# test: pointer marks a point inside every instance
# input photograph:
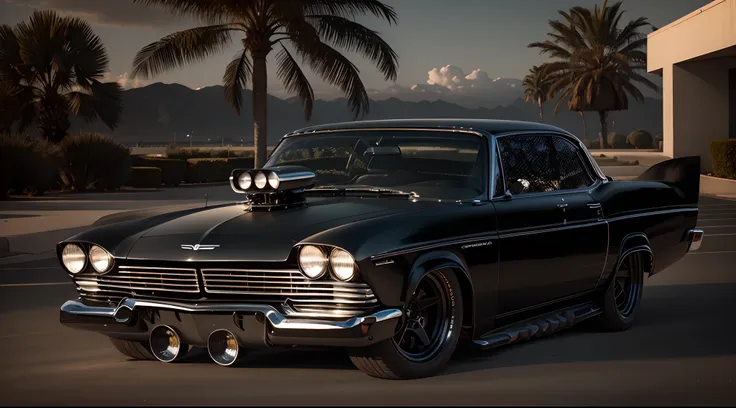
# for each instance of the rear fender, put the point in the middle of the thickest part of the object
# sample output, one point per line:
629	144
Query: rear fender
626	252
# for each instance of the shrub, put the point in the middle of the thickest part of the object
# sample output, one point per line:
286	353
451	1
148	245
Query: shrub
145	177
27	166
641	139
214	170
173	171
616	140
92	160
723	155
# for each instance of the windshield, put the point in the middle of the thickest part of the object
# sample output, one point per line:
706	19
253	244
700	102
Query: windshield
431	164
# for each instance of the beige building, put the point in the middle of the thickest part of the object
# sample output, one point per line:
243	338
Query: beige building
696	57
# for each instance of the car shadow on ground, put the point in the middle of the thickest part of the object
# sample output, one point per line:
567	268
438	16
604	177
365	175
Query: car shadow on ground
674	321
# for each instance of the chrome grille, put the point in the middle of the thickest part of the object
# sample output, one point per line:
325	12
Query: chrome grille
306	295
128	279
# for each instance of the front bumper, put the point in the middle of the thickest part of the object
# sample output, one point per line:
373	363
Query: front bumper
254	325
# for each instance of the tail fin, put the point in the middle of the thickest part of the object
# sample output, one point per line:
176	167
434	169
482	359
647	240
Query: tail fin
682	173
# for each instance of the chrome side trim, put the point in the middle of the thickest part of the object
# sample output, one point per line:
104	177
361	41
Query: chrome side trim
123	312
653	212
434	245
695	236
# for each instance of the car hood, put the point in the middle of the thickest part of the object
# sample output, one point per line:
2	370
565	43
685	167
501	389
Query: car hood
234	233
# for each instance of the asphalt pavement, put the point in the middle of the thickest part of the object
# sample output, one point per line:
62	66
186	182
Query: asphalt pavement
681	351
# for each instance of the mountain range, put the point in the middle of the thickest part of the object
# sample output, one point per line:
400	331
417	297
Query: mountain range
163	113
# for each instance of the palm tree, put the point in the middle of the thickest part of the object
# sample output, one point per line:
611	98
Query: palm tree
314	29
52	66
595	62
536	87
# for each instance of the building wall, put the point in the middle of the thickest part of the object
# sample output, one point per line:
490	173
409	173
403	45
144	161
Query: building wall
706	30
698	108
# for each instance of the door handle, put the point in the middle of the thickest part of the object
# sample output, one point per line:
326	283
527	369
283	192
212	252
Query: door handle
562	205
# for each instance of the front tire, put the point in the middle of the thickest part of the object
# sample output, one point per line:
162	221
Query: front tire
133	349
426	337
622	299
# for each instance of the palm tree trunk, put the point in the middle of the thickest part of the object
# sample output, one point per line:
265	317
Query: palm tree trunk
260	109
585	128
53	122
541	110
603	115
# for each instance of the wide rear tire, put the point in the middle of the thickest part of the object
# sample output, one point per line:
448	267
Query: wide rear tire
426	337
133	349
621	301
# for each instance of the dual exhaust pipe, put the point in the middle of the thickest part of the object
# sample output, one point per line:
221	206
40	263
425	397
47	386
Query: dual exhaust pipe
167	346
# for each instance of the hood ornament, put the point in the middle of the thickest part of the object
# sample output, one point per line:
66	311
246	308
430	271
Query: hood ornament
198	247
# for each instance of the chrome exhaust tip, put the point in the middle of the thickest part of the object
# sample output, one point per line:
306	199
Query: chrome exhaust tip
166	345
222	345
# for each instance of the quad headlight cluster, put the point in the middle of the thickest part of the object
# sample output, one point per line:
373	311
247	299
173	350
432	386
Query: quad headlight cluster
314	263
75	259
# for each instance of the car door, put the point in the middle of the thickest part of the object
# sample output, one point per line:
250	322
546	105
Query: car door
551	240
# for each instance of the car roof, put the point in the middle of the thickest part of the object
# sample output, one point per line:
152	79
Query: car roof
493	126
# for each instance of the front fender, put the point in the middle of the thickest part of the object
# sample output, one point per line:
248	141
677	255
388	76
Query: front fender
429	262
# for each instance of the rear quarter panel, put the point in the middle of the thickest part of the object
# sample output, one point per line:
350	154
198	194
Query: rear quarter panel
655	209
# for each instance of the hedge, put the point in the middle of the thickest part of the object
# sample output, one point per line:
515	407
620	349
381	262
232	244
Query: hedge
92	160
173	171
641	139
723	156
27	166
214	170
145	177
616	140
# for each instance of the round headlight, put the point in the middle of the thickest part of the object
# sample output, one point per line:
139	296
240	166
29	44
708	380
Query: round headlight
260	180
73	258
100	259
312	261
244	181
343	264
273	180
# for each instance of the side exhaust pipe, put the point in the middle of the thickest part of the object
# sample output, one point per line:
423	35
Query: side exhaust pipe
222	345
166	345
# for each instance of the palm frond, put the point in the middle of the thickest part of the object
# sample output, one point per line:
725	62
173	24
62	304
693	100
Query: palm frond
180	48
294	80
352	36
337	70
237	74
349	8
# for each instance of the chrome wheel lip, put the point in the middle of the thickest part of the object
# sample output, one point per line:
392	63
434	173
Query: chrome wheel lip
440	334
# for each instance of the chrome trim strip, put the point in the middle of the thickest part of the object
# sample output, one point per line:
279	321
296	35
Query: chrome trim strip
550	228
654	212
305	132
276	319
438	244
695	236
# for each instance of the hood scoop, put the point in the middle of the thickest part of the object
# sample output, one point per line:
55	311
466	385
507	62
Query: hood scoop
273	188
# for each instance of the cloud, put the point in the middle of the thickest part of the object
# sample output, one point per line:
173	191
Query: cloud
453	78
125	80
116	13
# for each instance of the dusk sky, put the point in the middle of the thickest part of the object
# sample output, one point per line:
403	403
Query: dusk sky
487	35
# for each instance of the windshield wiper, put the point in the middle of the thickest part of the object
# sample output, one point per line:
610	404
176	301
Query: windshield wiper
334	191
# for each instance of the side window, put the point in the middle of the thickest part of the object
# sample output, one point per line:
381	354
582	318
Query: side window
529	163
572	169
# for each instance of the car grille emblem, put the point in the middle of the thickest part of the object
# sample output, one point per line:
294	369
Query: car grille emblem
198	247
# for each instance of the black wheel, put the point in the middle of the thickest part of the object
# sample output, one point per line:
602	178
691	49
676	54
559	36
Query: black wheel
623	297
426	336
133	349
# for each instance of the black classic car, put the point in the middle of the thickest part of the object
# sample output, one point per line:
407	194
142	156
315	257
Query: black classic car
397	240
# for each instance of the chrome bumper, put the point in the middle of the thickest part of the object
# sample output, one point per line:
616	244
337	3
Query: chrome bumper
255	325
695	237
